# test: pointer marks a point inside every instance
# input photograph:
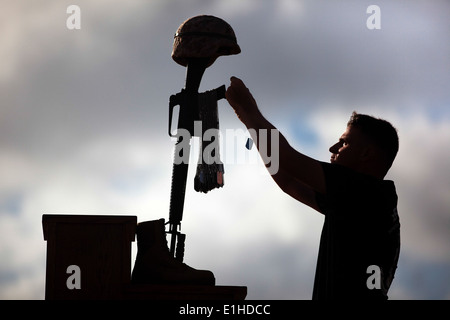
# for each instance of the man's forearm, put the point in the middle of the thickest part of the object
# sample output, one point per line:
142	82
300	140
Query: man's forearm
301	167
294	163
269	141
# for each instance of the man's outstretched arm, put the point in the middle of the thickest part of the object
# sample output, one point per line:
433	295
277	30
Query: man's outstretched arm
294	167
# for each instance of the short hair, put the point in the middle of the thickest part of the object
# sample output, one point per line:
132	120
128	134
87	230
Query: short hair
379	132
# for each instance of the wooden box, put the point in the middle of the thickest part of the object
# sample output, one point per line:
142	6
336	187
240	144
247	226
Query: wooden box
88	256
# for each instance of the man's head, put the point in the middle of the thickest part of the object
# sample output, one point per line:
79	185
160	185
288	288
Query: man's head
369	145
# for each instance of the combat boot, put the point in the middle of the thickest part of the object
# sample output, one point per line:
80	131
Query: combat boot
155	265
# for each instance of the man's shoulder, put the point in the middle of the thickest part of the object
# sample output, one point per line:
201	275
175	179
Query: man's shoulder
341	173
346	188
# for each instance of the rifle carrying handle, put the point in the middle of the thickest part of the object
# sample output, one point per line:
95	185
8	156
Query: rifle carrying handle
172	104
174	101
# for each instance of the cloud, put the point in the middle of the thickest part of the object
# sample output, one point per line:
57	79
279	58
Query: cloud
423	185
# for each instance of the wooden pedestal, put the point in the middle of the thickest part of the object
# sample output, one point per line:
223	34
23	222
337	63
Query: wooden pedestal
89	258
100	246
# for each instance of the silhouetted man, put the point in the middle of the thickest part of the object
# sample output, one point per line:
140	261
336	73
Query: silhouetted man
360	241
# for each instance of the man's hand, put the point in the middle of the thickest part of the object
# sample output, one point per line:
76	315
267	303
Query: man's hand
241	100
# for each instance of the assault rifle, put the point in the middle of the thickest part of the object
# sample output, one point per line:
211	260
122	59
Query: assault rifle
200	108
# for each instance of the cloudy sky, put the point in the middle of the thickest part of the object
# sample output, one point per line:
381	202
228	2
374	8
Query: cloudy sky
83	129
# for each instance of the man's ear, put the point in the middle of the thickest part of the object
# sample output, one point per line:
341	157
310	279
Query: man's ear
368	152
372	153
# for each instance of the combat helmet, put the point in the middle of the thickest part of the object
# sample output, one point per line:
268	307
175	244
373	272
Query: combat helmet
204	36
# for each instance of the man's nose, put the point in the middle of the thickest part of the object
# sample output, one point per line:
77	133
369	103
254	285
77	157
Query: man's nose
334	148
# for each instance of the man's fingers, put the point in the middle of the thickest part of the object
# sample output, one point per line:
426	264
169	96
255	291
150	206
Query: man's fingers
234	84
236	81
237	87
